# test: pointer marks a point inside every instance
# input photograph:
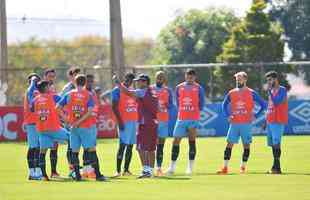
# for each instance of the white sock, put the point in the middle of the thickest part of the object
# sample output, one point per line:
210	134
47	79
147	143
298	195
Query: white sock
38	171
151	170
32	171
173	165
145	168
191	164
243	164
226	163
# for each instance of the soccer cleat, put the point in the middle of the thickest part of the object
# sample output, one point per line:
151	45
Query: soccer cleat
101	178
117	175
188	171
242	170
223	171
45	178
127	173
91	175
275	171
145	175
84	175
169	171
159	173
34	178
55	175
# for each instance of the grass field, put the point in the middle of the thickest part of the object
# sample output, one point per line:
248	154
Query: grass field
204	184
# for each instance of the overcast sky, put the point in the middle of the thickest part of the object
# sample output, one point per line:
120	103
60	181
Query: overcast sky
145	17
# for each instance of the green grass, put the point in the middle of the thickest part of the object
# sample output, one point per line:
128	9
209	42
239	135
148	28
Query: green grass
204	184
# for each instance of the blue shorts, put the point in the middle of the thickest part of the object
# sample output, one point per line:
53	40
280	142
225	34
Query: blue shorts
274	133
236	131
182	126
48	138
129	134
163	129
85	137
32	136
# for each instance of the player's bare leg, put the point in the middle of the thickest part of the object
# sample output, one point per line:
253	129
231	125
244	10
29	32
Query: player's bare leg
192	150
245	157
159	156
174	155
227	156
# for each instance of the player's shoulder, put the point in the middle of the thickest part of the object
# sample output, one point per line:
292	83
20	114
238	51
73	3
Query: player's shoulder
282	88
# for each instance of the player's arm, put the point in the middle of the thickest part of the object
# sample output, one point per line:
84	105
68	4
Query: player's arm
280	97
177	97
170	100
32	87
115	104
124	89
202	101
59	107
225	104
258	99
90	106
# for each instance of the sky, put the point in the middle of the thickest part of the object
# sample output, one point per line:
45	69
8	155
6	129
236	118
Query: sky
141	17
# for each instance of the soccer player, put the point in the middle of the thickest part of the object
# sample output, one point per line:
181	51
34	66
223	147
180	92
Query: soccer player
165	102
32	135
80	106
190	99
125	109
71	73
277	117
50	76
47	122
238	107
147	120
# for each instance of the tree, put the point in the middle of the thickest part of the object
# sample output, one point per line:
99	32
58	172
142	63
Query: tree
196	36
255	40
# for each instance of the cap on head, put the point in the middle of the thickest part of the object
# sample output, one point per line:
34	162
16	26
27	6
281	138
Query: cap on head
98	89
242	74
271	74
143	77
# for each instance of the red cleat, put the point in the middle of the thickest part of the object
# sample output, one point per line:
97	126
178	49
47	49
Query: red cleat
223	171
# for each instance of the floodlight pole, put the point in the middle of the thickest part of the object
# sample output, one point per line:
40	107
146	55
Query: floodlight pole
116	33
3	42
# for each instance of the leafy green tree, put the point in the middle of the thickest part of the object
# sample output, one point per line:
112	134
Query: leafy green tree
255	40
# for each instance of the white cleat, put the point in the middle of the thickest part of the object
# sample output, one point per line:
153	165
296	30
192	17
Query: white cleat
170	171
189	172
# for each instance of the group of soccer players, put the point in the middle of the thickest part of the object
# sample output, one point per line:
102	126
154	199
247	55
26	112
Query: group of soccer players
142	114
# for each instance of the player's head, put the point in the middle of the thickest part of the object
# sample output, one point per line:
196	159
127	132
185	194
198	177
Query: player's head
272	79
80	80
43	86
98	91
241	79
33	76
143	81
50	75
90	81
190	76
72	72
129	77
160	77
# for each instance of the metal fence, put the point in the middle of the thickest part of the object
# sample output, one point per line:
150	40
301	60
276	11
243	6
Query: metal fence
216	78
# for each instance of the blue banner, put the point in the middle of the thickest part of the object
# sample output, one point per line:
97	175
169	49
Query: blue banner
214	123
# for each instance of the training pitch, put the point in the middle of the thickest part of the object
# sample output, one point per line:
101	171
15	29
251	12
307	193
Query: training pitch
294	183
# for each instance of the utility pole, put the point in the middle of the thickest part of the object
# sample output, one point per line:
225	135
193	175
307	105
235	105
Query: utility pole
116	34
3	43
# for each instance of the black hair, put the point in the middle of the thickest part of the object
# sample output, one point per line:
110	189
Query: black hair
49	71
190	72
73	70
80	80
90	76
130	76
42	85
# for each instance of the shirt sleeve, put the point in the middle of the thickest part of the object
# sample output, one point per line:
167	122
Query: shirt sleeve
139	92
57	98
201	98
115	94
260	101
31	104
170	100
91	102
64	100
177	97
280	97
31	90
225	104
